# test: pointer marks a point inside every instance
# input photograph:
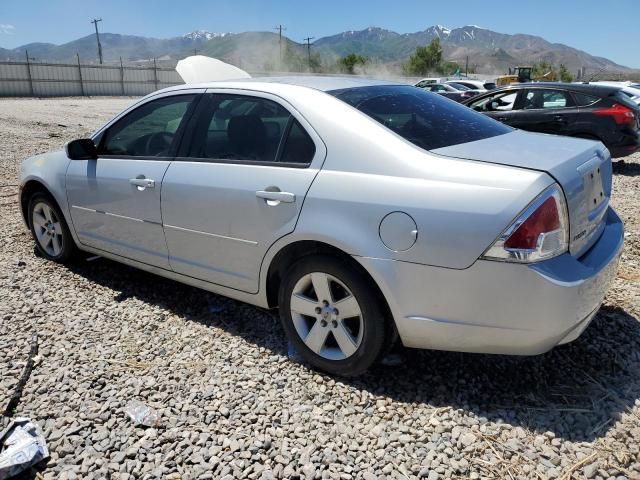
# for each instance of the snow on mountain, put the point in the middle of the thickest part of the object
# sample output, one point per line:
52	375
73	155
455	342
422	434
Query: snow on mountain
203	35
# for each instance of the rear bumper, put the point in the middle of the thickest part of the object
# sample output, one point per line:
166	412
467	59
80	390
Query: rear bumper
617	152
628	143
500	307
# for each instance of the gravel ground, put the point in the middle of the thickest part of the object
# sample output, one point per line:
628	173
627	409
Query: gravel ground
233	405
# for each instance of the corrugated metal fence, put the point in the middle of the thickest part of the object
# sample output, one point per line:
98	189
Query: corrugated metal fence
29	79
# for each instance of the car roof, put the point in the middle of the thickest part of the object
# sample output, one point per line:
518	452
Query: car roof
317	82
603	90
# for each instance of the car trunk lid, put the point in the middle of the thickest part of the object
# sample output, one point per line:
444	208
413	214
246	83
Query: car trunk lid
581	167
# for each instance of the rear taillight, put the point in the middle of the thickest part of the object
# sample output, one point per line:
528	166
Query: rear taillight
539	233
621	115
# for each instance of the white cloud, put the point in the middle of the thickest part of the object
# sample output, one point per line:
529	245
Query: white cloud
6	28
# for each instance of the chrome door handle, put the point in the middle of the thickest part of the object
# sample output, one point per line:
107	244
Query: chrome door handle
142	183
276	197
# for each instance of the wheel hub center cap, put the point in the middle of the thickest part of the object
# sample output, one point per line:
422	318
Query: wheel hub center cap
327	312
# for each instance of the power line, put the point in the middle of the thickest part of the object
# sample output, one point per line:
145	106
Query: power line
308	40
95	24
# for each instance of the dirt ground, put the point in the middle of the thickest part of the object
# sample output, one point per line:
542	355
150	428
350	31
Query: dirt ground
233	405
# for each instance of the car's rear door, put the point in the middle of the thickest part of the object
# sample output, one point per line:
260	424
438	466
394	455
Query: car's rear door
548	110
115	199
245	165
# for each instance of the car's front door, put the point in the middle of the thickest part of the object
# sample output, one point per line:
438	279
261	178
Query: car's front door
500	106
115	200
547	110
246	163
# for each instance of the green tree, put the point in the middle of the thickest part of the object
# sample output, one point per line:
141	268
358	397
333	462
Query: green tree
542	69
426	59
564	73
348	63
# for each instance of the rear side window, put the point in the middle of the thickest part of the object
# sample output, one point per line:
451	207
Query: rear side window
298	146
427	120
584	100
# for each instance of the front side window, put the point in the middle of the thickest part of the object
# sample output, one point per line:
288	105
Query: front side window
544	99
147	131
426	120
499	102
245	128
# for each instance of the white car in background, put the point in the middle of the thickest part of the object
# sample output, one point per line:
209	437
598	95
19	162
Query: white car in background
631	90
477	85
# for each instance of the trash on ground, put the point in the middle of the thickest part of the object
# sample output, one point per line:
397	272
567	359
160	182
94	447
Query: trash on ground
142	414
21	447
217	306
392	360
293	354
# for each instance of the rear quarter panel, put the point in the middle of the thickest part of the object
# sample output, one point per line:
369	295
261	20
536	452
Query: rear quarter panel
460	206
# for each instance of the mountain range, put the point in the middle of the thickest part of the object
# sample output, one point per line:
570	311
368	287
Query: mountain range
487	51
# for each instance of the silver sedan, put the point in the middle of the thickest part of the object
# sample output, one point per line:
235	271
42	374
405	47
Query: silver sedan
367	212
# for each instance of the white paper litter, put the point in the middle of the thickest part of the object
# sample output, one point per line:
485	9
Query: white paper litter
199	69
21	446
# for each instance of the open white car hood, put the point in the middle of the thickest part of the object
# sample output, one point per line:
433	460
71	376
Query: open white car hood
200	69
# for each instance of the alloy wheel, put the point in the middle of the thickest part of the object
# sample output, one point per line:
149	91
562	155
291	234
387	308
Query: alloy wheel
326	316
48	229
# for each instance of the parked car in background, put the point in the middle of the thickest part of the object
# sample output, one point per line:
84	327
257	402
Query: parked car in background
428	81
596	112
449	91
477	85
365	211
628	88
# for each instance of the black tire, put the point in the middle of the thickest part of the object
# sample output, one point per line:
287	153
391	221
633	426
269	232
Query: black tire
68	247
373	315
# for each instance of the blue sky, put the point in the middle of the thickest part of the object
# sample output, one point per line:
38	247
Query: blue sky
606	28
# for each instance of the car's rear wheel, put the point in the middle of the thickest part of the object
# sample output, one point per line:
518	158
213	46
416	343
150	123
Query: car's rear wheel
49	229
332	315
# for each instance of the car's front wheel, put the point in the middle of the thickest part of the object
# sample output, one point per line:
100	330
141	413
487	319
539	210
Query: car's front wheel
49	229
332	315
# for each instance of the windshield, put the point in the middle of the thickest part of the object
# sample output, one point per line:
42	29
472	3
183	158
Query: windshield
427	120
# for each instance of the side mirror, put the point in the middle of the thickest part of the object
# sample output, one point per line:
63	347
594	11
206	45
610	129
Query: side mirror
82	149
495	105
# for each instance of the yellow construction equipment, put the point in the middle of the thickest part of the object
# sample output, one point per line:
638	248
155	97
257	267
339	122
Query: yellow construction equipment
523	75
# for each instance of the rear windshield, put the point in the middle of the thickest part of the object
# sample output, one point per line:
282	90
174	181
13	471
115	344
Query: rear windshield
426	119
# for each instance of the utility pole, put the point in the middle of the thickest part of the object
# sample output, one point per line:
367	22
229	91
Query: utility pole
95	24
26	52
280	28
466	68
195	51
308	40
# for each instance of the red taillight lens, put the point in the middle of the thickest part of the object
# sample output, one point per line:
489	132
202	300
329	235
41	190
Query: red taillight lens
540	232
544	220
621	115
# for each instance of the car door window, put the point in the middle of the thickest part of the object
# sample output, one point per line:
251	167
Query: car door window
499	102
584	100
147	131
546	99
298	147
248	129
